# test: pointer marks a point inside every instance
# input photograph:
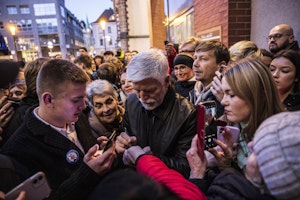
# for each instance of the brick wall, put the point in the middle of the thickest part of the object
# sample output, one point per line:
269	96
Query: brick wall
234	17
157	29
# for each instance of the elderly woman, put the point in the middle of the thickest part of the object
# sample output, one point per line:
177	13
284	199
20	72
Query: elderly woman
105	115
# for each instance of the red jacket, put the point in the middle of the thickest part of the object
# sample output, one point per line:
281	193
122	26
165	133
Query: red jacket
156	169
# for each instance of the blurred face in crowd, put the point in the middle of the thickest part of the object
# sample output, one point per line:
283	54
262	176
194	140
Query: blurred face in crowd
16	92
151	92
284	74
205	65
105	108
128	56
235	108
188	48
83	52
98	61
183	72
279	38
169	49
126	85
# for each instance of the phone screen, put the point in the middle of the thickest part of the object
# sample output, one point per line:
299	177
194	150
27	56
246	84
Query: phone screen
200	129
110	140
210	124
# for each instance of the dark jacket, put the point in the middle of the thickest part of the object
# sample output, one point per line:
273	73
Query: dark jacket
292	102
231	185
294	46
18	117
184	87
41	148
168	129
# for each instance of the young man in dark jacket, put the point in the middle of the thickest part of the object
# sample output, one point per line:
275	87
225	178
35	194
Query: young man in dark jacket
56	138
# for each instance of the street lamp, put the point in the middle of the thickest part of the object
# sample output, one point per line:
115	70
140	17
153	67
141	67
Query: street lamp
102	23
12	29
50	47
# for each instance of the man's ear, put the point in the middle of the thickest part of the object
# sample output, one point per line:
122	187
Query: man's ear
291	39
167	80
220	64
47	99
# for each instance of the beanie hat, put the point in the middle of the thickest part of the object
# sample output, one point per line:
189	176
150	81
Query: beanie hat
184	59
277	147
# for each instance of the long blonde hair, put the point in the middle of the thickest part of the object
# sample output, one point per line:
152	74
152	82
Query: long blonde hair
252	81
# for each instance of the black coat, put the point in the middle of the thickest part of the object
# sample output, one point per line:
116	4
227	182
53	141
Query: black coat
18	117
168	129
232	185
41	148
184	87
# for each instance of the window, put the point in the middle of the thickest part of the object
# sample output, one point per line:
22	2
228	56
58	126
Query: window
24	25
26	43
44	9
101	42
46	26
62	11
110	41
1	25
109	29
24	9
12	10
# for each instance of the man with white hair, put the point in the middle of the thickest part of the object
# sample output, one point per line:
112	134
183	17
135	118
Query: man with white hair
156	118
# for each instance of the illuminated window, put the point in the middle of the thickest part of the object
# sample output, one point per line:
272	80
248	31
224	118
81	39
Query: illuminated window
44	9
24	9
12	10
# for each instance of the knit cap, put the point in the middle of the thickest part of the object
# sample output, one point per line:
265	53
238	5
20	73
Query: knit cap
277	148
184	59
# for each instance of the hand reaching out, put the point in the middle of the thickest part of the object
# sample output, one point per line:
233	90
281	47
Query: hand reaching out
198	166
132	153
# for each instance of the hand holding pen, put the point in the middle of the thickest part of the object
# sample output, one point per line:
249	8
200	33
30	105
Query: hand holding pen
124	141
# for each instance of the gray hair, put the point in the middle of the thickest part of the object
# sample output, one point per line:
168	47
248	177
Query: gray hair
100	87
152	63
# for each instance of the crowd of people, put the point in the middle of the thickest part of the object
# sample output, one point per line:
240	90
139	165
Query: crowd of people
104	128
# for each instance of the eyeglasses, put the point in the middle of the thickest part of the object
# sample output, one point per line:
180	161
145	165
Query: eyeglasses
276	36
181	68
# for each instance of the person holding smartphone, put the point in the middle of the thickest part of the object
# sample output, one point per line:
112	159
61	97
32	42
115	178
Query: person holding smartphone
243	106
8	73
55	137
271	169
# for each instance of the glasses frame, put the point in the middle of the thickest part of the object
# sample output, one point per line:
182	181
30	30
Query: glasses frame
182	68
276	36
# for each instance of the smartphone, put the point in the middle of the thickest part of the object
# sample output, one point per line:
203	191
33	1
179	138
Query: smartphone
200	129
234	130
210	124
110	140
36	188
